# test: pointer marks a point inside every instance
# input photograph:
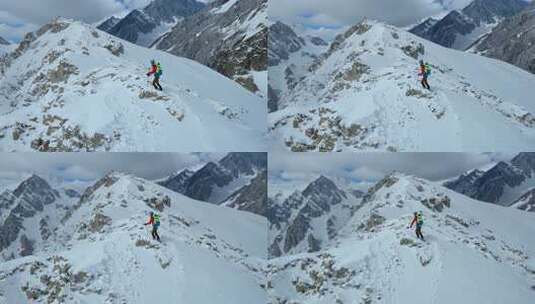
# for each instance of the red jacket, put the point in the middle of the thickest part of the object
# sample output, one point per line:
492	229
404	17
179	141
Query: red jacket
414	220
151	221
153	70
422	70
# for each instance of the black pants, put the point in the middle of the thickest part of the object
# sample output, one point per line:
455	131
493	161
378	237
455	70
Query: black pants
419	232
154	233
425	84
156	84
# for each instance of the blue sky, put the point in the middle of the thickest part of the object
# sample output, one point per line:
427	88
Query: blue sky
22	16
290	171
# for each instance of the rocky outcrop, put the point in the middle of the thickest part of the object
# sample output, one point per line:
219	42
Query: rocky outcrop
179	181
231	40
513	41
283	41
109	23
26	201
252	197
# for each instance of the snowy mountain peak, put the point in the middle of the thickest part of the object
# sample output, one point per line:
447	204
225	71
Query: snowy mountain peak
377	65
322	185
375	256
102	250
67	99
3	41
34	182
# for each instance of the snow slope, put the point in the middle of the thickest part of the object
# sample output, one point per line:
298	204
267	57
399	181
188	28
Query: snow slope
103	253
473	253
364	94
84	90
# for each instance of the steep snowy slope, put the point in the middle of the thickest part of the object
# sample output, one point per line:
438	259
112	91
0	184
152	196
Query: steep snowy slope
103	253
473	253
84	90
364	94
229	36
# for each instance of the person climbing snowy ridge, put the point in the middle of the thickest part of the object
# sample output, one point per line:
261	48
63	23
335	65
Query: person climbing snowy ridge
156	70
154	220
425	71
419	221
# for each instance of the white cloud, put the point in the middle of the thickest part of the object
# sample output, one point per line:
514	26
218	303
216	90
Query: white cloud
348	12
76	167
291	171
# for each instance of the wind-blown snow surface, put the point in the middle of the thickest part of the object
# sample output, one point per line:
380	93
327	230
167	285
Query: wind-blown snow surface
82	89
473	253
101	253
364	94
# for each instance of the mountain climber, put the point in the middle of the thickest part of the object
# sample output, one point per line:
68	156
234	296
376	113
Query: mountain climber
418	219
425	71
154	220
156	70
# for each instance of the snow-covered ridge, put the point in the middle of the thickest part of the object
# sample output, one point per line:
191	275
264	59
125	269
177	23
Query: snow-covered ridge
101	252
364	94
70	87
469	246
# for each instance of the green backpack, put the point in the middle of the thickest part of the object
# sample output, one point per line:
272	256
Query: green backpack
427	69
420	218
156	218
159	71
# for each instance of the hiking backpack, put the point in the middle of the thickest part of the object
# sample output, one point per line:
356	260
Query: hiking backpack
419	218
156	219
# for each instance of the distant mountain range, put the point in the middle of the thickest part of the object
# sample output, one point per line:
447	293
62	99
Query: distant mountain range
506	184
144	26
239	180
460	29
